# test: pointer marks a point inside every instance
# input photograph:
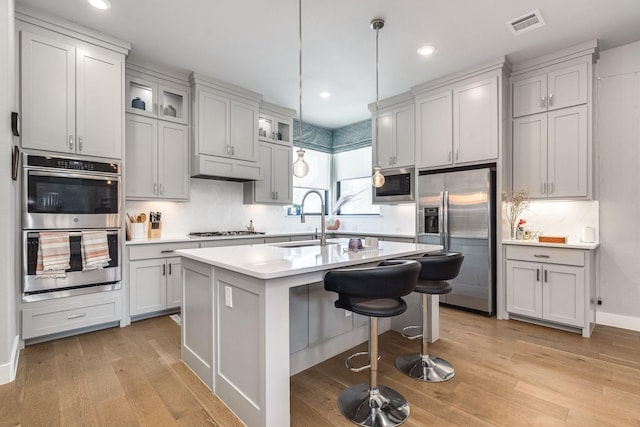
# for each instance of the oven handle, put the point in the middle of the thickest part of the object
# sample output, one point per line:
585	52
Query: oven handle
74	174
71	233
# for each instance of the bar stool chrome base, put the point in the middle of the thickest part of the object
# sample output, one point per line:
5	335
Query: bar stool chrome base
379	407
425	367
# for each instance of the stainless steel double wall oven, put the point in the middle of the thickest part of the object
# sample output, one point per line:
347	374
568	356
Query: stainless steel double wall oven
62	194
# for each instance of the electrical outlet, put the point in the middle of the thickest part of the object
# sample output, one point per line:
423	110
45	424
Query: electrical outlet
228	296
347	313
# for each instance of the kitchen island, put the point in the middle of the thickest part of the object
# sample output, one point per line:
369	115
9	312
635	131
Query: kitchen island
237	317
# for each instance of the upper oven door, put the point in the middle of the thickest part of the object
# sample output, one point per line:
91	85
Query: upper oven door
56	199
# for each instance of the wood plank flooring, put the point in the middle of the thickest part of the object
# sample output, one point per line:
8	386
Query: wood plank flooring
508	373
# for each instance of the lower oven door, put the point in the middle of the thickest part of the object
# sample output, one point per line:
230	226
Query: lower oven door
75	277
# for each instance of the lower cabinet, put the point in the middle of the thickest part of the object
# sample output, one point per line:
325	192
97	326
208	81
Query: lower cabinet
155	277
551	285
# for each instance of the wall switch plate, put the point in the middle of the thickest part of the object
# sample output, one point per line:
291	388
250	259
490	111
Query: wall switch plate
228	296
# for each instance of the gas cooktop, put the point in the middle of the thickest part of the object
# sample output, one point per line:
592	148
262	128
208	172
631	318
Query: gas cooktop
224	233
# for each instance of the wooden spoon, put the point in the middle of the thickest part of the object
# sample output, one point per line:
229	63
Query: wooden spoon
142	217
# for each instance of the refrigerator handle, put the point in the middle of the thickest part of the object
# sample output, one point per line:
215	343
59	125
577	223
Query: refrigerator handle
441	218
445	224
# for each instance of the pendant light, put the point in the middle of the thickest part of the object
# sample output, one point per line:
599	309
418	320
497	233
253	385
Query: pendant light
300	168
377	179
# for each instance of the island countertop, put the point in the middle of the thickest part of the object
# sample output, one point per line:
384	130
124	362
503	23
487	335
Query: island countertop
273	260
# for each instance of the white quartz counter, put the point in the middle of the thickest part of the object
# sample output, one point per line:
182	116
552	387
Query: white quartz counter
569	245
268	261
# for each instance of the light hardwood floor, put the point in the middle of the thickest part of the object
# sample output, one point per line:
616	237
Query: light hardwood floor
508	373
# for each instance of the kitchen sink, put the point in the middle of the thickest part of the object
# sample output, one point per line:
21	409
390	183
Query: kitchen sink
301	244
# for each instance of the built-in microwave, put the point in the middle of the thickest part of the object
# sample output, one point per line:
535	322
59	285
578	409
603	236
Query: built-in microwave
398	187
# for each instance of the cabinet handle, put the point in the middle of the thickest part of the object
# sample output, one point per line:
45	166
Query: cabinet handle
80	143
161	111
545	276
457	154
537	274
543	188
167	251
276	195
75	316
541	256
164	269
550	187
161	187
550	99
155	108
70	142
449	155
228	149
233	150
155	189
543	101
169	269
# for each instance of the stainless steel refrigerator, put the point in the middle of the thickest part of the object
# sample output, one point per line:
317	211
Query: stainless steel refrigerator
456	209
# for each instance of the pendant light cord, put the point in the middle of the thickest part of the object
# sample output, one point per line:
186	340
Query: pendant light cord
300	73
377	100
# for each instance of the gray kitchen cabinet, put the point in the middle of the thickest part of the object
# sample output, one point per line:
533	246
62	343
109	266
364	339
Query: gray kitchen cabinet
157	159
163	96
225	136
395	143
71	94
552	285
155	277
275	124
550	153
458	119
275	187
561	87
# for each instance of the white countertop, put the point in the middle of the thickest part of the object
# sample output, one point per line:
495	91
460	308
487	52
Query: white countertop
569	245
268	261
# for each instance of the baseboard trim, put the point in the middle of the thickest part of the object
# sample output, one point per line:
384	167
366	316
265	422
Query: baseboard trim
618	321
8	370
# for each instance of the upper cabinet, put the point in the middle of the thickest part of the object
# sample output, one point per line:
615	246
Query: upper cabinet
225	130
157	135
71	92
458	119
394	143
547	91
552	124
275	124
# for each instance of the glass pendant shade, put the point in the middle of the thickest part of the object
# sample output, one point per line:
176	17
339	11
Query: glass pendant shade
300	168
377	178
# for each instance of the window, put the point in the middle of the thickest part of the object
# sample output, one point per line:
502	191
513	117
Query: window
318	178
353	176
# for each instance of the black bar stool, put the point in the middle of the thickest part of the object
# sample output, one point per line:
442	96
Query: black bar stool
436	270
373	292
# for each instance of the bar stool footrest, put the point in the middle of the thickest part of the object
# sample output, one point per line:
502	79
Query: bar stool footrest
359	368
425	367
411	328
381	406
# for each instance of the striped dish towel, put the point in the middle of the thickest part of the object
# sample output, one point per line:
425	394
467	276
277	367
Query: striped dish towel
53	254
95	250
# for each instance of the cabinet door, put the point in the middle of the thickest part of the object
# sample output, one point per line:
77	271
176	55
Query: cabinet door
563	291
475	121
244	131
47	89
213	125
173	104
567	142
434	130
529	95
147	286
325	320
145	91
142	157
404	136
567	87
264	192
174	282
282	176
384	150
530	155
173	160
98	104
524	288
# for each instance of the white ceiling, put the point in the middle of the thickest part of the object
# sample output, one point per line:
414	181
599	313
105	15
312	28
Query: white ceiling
254	43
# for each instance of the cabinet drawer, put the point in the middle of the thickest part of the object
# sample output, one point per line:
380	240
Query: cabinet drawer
546	255
52	317
158	250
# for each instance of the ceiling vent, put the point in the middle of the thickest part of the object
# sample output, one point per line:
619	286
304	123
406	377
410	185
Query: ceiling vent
527	22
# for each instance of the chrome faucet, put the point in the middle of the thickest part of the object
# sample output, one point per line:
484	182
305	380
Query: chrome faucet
323	234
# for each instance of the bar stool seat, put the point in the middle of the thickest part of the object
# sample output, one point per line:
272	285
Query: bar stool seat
436	270
374	292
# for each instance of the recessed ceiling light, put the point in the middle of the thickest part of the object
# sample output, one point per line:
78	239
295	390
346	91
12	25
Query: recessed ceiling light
426	50
325	95
100	4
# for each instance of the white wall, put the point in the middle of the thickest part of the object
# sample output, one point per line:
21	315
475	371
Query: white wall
618	118
217	205
8	328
